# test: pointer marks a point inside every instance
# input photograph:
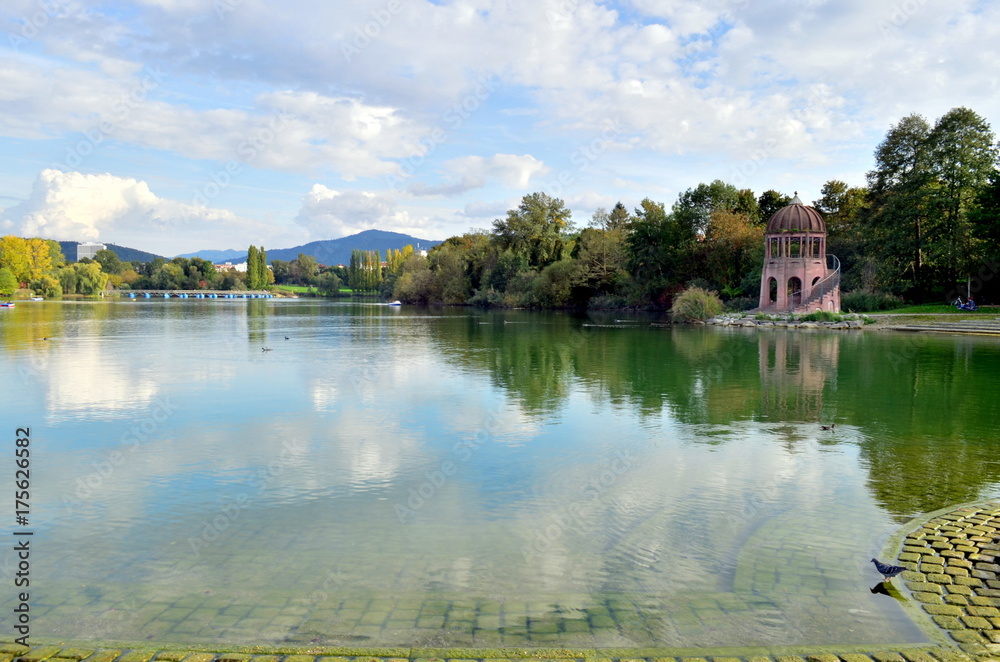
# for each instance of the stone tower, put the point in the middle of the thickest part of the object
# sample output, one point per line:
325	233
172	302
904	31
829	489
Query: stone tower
798	276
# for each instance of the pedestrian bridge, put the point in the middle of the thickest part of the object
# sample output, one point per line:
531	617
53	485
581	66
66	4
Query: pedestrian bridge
196	294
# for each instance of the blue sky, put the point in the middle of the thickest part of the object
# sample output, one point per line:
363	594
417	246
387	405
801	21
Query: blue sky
178	125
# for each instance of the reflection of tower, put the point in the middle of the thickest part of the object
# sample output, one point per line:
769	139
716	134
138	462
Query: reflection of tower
796	276
794	368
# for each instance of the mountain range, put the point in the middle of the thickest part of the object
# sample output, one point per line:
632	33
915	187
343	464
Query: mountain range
327	251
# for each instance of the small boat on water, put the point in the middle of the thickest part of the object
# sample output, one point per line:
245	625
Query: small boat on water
6	304
395	303
37	298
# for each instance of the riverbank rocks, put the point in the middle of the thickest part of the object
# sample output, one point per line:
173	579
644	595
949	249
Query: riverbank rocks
952	563
783	321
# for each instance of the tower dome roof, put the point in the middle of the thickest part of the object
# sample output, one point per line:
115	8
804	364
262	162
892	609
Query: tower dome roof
796	217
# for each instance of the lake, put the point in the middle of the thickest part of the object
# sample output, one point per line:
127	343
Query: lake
452	477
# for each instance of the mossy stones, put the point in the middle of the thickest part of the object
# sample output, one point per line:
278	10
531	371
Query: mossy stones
137	656
40	653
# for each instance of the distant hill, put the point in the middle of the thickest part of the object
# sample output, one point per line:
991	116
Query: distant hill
124	254
228	255
338	251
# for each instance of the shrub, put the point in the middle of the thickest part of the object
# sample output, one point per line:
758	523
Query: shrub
821	316
47	286
864	302
695	303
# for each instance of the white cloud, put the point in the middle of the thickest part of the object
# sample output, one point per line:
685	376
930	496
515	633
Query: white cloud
72	206
327	213
509	170
284	130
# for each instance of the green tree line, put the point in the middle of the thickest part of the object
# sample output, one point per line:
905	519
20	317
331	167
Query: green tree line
925	226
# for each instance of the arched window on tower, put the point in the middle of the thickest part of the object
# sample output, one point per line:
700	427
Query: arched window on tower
794	291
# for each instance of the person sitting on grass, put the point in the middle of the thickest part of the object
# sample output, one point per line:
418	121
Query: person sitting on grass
969	305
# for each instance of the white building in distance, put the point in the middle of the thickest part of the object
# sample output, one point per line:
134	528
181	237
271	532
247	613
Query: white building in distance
88	249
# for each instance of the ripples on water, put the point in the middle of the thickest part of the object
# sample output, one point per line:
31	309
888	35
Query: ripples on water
395	477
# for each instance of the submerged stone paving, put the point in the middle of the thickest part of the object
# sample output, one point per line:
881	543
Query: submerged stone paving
952	571
953	576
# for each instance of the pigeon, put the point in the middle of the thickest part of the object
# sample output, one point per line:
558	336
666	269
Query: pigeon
887	571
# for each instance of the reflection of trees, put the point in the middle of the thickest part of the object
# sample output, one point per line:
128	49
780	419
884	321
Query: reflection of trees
926	424
258	313
540	357
931	418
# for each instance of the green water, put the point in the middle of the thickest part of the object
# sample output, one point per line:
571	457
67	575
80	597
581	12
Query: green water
390	476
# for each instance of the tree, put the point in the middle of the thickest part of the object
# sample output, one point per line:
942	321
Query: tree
328	284
252	267
843	209
257	278
47	286
8	283
601	256
734	249
694	207
770	202
365	271
305	268
899	208
985	216
963	156
56	256
67	279
619	218
747	205
395	258
281	270
16	256
265	277
109	261
90	280
658	248
535	229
